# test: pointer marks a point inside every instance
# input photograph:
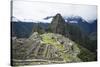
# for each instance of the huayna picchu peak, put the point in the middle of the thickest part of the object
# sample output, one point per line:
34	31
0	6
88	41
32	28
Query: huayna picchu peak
58	24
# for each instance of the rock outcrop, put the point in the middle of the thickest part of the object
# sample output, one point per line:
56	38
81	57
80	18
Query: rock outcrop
58	24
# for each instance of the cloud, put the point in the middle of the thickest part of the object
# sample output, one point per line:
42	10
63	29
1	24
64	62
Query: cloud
39	10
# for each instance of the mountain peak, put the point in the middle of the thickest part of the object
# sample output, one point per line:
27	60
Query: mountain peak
58	24
58	15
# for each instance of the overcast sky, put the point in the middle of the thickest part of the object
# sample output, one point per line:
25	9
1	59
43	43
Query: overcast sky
39	10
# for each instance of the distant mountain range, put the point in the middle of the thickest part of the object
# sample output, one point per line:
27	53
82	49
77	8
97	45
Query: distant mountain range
23	29
83	24
86	27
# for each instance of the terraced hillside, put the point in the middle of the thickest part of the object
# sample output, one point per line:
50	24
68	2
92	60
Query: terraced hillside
44	49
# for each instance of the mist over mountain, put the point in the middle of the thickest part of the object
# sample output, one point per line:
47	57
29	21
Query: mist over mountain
86	27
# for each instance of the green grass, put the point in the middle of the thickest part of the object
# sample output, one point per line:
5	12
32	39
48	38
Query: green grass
47	39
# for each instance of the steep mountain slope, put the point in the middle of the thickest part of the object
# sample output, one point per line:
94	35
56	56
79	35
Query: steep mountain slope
25	29
58	24
93	26
21	29
86	26
80	22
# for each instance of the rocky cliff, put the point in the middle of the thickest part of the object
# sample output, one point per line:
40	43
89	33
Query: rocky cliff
58	24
